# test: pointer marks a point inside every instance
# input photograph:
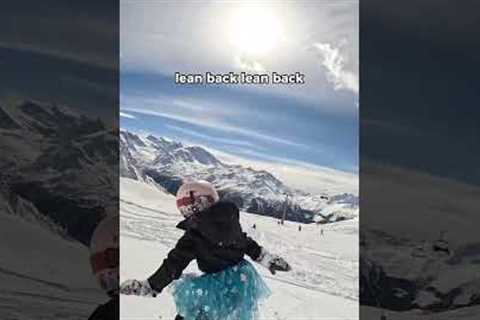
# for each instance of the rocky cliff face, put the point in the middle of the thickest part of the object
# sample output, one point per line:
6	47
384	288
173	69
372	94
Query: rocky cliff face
62	163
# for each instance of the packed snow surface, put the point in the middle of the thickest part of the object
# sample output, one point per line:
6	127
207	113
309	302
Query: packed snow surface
35	283
322	285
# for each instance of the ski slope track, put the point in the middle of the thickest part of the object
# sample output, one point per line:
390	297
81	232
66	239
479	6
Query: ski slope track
322	285
35	283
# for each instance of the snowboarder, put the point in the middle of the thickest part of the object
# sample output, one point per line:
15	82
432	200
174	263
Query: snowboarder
104	262
230	288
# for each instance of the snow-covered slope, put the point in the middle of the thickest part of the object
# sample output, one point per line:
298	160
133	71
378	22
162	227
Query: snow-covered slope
322	285
167	163
36	283
434	268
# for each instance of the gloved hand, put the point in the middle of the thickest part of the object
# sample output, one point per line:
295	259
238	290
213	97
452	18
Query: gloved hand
273	262
138	288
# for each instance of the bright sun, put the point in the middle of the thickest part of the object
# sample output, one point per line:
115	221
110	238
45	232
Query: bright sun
254	31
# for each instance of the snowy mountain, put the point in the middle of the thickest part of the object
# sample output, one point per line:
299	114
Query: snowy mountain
167	163
422	242
55	170
437	278
61	162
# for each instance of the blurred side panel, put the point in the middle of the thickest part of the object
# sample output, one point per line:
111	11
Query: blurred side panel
59	158
420	155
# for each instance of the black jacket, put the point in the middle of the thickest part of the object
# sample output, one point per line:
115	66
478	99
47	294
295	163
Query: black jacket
214	238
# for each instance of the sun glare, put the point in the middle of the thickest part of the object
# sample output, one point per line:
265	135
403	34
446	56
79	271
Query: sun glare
254	31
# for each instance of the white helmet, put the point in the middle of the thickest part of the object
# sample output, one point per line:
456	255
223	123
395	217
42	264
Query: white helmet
195	196
104	254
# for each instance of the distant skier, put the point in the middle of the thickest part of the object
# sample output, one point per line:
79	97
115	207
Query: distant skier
321	232
230	288
254	226
104	262
299	228
441	244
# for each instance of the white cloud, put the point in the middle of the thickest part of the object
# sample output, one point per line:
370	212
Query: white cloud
216	124
127	115
248	64
227	141
188	105
334	63
298	174
201	42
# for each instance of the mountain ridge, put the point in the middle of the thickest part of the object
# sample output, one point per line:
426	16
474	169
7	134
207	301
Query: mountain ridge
60	162
169	162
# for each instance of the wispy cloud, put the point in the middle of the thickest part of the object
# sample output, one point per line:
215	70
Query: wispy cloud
216	124
334	63
32	32
227	141
197	44
127	115
188	105
248	64
297	174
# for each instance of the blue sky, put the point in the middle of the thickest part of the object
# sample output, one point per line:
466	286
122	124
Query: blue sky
254	125
311	124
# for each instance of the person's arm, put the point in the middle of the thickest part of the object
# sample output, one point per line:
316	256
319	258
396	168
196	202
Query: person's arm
172	267
253	249
270	261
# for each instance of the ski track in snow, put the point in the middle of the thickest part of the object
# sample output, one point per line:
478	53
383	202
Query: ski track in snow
34	283
323	283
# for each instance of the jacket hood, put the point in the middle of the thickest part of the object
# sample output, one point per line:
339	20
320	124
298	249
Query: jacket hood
219	224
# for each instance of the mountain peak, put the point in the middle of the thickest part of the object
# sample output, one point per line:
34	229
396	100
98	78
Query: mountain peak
168	163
